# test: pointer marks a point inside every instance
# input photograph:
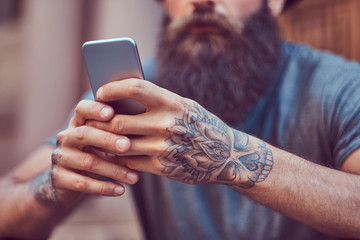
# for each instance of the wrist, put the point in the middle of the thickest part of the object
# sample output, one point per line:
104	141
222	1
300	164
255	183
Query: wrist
47	195
250	162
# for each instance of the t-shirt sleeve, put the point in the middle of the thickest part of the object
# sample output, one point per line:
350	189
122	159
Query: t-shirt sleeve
52	140
344	118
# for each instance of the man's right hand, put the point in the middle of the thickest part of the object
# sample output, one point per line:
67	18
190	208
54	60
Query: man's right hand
78	164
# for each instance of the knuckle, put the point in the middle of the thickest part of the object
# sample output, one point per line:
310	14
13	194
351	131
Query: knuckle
80	185
83	103
118	172
56	156
54	172
158	166
128	163
166	122
158	147
80	106
80	132
88	162
163	126
60	138
136	87
119	124
176	103
104	189
107	139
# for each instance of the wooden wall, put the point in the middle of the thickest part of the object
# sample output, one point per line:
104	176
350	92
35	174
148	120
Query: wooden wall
325	24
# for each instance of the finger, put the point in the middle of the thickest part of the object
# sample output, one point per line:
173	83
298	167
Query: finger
89	136
148	164
66	179
88	162
87	109
142	164
153	146
142	124
145	92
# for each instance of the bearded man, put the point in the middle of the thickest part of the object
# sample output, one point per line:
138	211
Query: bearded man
244	136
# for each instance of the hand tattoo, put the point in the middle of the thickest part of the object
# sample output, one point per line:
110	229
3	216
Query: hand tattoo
201	150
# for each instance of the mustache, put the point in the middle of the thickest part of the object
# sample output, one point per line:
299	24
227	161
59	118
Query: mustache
217	21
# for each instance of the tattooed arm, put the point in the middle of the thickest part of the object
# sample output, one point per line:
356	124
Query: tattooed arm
28	209
178	139
44	188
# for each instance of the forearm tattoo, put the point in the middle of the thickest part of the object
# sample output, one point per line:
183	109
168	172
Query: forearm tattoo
203	149
44	190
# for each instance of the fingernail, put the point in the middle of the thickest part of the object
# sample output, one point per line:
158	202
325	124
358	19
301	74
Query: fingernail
122	144
105	112
99	93
119	190
132	177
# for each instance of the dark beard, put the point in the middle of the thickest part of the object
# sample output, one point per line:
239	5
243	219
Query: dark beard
228	70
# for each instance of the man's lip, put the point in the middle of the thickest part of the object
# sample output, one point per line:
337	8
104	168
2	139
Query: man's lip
202	27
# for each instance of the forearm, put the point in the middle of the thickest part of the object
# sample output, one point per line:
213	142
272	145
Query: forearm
180	140
26	211
322	198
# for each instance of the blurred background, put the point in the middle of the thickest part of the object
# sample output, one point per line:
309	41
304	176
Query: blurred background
42	76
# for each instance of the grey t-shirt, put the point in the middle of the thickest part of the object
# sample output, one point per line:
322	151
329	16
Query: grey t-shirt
312	111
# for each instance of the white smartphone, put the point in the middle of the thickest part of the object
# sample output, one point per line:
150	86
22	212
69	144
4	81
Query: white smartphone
112	60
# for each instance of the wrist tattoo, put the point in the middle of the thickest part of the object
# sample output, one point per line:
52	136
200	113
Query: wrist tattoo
44	190
203	149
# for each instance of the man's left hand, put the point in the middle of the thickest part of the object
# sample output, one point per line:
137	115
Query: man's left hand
179	139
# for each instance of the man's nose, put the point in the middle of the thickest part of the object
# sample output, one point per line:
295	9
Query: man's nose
203	6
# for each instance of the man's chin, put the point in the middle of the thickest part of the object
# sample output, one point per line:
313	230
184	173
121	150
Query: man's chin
227	72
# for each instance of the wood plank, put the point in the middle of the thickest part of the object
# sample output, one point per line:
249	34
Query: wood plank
325	24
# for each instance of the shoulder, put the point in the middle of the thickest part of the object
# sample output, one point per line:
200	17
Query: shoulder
304	59
326	89
316	70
